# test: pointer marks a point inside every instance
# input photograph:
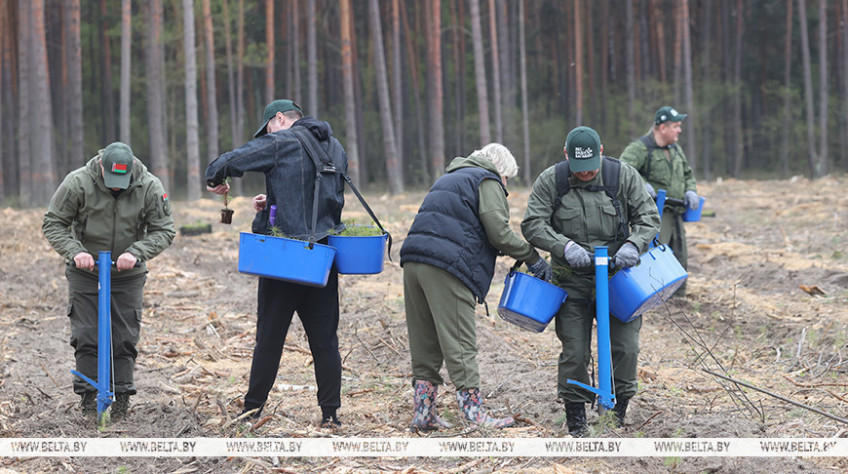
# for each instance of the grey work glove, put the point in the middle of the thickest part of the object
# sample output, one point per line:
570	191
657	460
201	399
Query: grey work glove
541	270
627	256
690	198
577	256
651	191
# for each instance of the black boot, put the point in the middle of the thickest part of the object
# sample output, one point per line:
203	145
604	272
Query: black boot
120	407
575	419
620	410
89	404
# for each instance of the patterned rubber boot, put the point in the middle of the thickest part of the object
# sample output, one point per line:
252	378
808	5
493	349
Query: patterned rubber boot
471	405
620	410
88	404
120	407
575	419
425	416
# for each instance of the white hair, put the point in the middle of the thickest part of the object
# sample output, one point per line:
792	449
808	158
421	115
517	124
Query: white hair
501	157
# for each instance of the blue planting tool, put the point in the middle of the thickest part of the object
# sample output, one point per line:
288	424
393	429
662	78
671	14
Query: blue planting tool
104	337
661	194
606	396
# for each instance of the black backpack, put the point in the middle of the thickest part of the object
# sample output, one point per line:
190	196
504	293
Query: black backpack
652	145
610	173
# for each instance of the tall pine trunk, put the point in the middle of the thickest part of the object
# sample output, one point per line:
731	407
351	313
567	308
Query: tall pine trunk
106	93
269	57
496	72
687	85
192	134
787	93
397	79
211	92
820	168
24	99
156	94
480	73
578	61
231	80
126	56
394	169
43	167
525	112
739	149
349	99
74	55
630	69
434	88
812	157
311	59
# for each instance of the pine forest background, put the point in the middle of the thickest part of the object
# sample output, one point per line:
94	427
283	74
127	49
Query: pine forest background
404	83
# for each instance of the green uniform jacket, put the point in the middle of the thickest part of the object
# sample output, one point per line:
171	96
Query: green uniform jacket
674	175
84	216
586	217
493	209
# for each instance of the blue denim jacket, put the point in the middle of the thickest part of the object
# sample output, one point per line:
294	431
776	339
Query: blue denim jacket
290	178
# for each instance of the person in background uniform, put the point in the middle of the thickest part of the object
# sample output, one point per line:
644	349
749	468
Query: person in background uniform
586	218
290	177
662	164
111	204
448	261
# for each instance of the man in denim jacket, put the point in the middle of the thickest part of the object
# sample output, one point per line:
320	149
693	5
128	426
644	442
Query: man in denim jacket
290	178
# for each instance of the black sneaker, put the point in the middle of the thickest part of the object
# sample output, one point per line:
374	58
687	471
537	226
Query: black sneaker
120	407
330	422
88	404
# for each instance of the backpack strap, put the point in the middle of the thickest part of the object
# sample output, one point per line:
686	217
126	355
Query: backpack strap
611	174
562	187
651	145
324	164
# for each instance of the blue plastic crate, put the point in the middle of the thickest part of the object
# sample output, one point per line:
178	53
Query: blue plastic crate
285	259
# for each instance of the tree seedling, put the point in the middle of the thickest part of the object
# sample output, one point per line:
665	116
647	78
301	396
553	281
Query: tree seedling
226	212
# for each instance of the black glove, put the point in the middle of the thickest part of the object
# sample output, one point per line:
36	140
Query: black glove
627	256
691	200
541	270
651	191
577	256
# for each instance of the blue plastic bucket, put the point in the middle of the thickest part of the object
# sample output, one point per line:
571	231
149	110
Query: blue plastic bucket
359	255
285	259
528	302
634	290
694	215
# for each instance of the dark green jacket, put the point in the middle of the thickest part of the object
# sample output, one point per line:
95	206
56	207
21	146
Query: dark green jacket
588	217
674	174
84	216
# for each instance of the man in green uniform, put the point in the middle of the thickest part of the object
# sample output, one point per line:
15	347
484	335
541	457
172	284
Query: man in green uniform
111	204
662	164
570	226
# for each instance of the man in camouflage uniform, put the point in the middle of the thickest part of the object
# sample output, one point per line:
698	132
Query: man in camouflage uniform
570	230
662	164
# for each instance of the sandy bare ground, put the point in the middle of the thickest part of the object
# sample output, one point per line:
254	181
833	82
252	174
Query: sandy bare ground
745	316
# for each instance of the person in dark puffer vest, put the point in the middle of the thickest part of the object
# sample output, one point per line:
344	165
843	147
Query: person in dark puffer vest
448	261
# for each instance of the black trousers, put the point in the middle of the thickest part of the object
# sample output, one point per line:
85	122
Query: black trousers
318	309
